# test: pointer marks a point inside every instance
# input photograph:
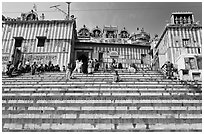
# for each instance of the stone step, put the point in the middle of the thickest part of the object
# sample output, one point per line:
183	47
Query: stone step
118	89
54	103
79	81
20	82
103	120
106	127
156	78
92	107
103	97
129	101
97	73
136	94
101	116
103	85
80	74
24	110
90	81
120	72
102	91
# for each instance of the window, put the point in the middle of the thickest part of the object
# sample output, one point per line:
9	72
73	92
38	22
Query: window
190	63
199	50
185	42
100	57
41	41
199	62
18	41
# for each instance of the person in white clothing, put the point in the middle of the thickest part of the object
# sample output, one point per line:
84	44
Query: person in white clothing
78	66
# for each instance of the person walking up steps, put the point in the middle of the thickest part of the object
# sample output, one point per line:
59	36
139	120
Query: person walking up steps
69	72
77	67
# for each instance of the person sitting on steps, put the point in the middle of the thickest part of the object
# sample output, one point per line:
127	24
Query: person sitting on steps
116	77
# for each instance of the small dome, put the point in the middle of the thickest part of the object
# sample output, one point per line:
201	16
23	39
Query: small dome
142	36
84	32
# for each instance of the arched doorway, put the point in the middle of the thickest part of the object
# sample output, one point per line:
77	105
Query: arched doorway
83	56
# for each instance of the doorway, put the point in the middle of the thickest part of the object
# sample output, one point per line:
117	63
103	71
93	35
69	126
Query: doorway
16	57
83	56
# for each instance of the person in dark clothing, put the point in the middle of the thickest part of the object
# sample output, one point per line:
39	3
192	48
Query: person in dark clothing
40	69
63	68
27	68
20	68
33	68
46	68
116	77
169	69
57	68
52	68
10	69
49	66
8	66
113	64
69	72
84	67
120	66
97	65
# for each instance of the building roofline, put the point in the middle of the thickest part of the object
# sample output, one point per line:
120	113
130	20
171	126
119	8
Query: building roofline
175	26
38	21
165	29
182	13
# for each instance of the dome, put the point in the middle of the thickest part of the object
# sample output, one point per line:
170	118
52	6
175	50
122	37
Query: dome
84	32
142	36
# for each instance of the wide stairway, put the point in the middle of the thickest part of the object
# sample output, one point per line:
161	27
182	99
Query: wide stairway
144	101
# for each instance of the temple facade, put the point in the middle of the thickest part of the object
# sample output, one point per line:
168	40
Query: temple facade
32	38
108	42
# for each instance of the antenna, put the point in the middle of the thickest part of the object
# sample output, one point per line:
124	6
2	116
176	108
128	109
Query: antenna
56	6
68	10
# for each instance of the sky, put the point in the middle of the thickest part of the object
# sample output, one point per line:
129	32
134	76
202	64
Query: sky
152	16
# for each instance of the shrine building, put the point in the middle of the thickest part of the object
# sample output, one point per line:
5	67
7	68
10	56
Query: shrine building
31	37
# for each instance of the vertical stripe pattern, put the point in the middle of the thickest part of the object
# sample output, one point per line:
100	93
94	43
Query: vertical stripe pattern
58	38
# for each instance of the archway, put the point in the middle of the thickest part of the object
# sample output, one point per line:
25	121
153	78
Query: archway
83	56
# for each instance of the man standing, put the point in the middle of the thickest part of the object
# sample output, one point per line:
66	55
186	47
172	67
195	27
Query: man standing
33	68
69	72
27	68
169	69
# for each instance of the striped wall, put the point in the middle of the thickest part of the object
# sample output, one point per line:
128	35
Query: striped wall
171	44
127	53
194	34
57	44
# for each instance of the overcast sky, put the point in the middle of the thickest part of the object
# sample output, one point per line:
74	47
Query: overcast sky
150	16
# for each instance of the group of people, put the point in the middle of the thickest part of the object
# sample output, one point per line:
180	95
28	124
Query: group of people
92	67
44	68
78	67
33	68
170	70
